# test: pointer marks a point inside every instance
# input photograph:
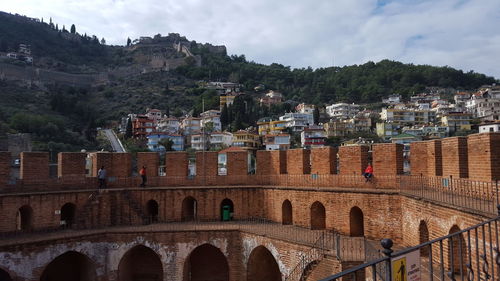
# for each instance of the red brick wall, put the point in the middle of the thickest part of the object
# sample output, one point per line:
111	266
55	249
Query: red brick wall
353	159
237	163
149	159
298	161
279	162
455	157
484	156
264	162
71	164
100	159
121	165
207	163
34	166
418	158
176	164
5	162
324	160
434	158
387	159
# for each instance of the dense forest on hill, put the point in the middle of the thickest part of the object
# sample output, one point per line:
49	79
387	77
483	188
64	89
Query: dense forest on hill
65	118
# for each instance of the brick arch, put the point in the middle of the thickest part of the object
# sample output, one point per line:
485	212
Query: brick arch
318	215
457	249
152	210
5	275
71	265
24	218
68	214
226	202
206	261
189	209
356	222
286	212
423	236
262	265
140	261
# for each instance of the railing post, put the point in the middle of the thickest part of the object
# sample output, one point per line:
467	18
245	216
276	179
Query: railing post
387	245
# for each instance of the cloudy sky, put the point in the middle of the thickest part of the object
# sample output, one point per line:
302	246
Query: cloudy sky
460	33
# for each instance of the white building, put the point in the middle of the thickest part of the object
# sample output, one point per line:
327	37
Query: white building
211	116
392	99
171	125
342	110
313	137
297	121
220	139
191	125
484	104
277	142
489	127
305	108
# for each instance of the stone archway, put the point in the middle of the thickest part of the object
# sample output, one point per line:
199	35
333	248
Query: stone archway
262	266
152	210
318	216
24	219
4	275
226	203
286	212
457	250
68	211
356	222
206	263
140	263
423	236
72	266
189	209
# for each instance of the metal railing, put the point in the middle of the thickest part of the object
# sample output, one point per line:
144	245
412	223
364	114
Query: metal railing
469	254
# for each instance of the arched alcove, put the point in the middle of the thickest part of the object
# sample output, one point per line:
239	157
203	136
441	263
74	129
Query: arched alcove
140	263
72	266
286	212
262	266
206	262
189	209
226	210
152	210
356	222
4	275
423	236
457	251
318	216
24	219
68	211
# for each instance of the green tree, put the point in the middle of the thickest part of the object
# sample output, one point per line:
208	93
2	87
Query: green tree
73	29
167	144
128	41
128	130
316	115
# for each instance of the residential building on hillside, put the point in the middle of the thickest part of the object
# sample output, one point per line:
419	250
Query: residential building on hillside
154	114
211	116
191	125
345	127
388	130
154	141
305	108
427	131
199	141
407	116
224	87
489	127
484	104
457	121
169	124
297	121
461	97
271	98
220	140
245	139
269	126
342	110
313	136
392	99
277	142
227	98
425	97
142	126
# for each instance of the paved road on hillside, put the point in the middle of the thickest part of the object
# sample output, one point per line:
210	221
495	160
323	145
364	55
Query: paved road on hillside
113	139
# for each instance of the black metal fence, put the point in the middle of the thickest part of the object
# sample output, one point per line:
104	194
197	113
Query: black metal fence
469	254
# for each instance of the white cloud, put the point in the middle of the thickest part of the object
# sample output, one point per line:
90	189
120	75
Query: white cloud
458	33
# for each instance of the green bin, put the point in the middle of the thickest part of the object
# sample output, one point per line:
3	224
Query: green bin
226	213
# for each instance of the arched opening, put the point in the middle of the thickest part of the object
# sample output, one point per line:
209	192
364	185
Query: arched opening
70	266
68	215
4	275
262	266
457	251
152	210
356	222
226	210
423	234
205	263
24	220
189	209
318	216
286	212
140	263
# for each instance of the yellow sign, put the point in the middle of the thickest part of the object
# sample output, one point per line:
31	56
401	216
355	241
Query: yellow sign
407	267
399	270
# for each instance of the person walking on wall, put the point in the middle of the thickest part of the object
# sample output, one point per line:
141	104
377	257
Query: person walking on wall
368	174
101	176
142	172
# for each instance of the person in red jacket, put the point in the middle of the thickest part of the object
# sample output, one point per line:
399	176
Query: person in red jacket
368	174
142	172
